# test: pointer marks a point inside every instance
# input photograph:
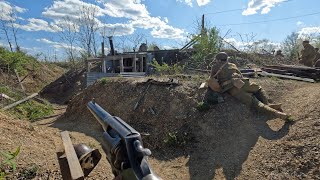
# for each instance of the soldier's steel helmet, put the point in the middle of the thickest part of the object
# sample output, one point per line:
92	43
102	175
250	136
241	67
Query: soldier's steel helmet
222	56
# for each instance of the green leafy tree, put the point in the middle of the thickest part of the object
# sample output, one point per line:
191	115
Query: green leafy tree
291	45
207	46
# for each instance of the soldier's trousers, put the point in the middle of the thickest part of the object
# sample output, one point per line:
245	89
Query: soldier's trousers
249	95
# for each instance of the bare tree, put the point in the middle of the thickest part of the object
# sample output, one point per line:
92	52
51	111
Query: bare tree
69	36
4	27
14	29
88	28
136	40
8	21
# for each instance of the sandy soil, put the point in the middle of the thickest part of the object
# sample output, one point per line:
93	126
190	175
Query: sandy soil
227	142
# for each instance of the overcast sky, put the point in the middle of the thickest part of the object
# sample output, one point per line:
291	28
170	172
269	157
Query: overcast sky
166	22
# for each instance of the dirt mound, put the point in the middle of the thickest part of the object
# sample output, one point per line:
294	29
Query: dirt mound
33	80
228	141
37	157
65	87
165	109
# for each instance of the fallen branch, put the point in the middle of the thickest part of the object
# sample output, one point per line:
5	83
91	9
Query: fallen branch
6	97
20	101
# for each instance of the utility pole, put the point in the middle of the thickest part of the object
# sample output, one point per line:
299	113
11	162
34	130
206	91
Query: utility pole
202	25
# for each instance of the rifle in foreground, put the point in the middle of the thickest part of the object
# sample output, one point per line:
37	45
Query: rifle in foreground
123	146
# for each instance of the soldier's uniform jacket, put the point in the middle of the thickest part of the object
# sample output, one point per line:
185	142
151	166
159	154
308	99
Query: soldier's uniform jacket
228	72
251	94
308	54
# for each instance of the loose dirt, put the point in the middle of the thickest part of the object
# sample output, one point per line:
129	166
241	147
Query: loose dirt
229	141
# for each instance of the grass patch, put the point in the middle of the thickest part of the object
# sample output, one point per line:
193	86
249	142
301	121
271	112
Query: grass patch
202	106
30	172
32	110
7	91
104	80
8	162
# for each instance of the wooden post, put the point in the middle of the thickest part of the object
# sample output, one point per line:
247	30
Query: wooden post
134	63
147	64
121	64
22	87
73	162
141	63
202	25
104	68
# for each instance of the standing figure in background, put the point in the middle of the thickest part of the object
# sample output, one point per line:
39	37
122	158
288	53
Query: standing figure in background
308	54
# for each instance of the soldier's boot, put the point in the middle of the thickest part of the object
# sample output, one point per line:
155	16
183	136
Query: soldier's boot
276	106
268	110
262	96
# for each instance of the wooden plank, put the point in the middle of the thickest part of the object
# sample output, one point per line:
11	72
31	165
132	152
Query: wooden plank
263	73
19	80
121	64
125	56
74	165
20	101
277	71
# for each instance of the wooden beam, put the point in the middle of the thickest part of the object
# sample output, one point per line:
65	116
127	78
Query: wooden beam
19	102
263	73
74	165
19	80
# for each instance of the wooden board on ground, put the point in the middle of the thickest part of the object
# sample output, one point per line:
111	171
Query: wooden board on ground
73	162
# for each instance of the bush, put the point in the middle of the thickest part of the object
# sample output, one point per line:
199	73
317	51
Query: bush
104	80
17	60
166	69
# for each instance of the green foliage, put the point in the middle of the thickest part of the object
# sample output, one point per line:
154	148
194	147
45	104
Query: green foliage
32	110
6	90
166	69
207	45
291	45
17	60
174	139
104	80
202	106
30	172
171	139
8	161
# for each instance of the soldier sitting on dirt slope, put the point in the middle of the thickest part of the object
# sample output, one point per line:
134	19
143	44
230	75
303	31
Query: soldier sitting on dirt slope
308	54
226	77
